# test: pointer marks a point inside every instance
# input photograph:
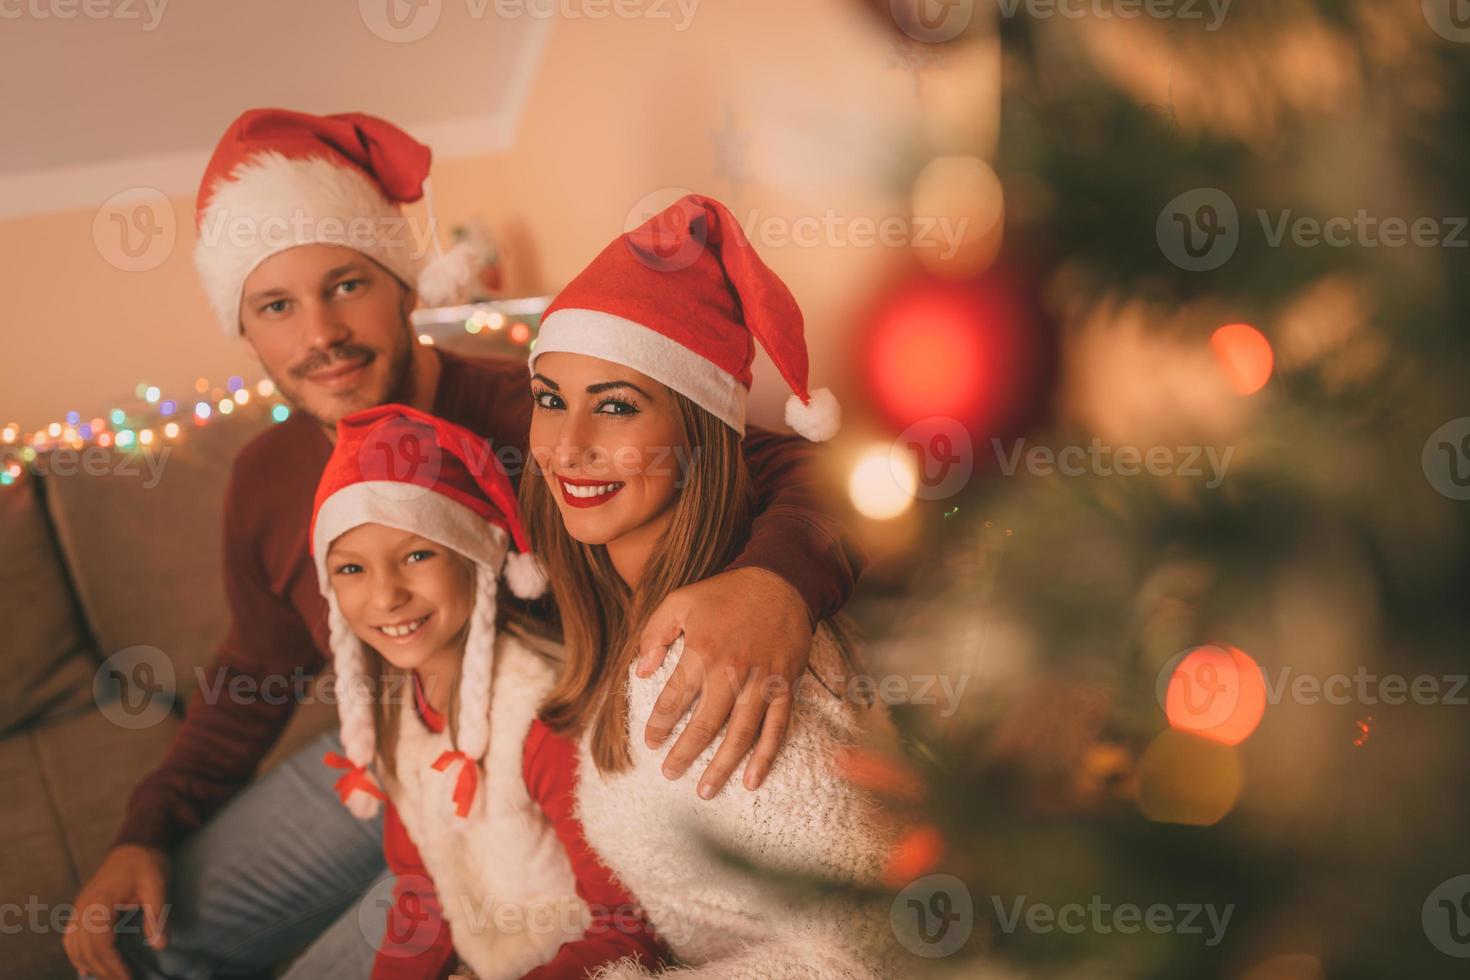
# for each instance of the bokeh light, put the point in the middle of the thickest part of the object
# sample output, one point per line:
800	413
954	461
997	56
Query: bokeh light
1244	355
1216	692
882	483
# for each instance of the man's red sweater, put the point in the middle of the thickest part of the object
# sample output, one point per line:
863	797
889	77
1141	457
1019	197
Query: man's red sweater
279	620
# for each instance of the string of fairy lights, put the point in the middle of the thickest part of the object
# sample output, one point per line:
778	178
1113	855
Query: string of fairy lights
160	420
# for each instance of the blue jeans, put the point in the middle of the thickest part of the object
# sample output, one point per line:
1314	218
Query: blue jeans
282	868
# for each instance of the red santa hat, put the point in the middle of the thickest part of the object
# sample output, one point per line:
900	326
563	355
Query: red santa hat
279	179
399	467
679	299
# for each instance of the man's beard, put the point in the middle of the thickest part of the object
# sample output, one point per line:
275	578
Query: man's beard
400	381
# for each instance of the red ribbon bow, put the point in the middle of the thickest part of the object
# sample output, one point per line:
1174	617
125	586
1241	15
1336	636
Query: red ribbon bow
356	777
466	784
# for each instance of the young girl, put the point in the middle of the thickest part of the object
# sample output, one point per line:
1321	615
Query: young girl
410	532
639	375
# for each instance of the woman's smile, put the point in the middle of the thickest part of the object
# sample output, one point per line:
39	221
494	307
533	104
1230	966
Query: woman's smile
588	493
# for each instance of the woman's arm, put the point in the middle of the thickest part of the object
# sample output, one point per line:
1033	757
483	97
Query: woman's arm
619	930
416	943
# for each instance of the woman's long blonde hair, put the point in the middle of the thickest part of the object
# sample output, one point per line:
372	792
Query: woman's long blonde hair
601	617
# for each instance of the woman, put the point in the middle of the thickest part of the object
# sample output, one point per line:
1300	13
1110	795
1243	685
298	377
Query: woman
639	377
411	533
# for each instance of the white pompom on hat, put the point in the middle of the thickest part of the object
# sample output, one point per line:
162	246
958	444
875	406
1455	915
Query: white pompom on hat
679	298
396	466
279	179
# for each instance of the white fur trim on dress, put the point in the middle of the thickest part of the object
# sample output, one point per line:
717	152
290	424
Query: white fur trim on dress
623	341
271	203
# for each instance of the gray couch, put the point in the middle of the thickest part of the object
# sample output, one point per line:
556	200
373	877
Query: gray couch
93	563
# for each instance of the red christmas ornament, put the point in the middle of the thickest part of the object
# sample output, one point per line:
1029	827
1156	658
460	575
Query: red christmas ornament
972	351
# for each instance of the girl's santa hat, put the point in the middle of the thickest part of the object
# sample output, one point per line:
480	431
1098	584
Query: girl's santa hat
279	179
396	466
679	299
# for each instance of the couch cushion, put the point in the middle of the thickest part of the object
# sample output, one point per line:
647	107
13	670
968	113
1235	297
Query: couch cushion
35	869
141	533
46	652
91	764
67	782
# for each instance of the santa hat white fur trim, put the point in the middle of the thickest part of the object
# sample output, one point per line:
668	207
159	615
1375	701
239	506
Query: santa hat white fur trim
433	515
524	574
818	419
623	341
272	203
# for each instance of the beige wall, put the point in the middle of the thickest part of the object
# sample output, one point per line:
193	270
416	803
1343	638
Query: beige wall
815	96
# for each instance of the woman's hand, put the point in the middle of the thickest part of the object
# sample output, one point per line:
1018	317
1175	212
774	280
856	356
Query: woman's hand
747	639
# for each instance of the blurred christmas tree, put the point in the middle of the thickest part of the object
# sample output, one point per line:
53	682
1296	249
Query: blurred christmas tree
1244	431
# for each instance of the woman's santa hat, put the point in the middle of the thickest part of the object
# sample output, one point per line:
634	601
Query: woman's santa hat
279	179
396	466
679	299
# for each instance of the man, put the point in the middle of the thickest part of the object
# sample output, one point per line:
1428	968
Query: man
303	253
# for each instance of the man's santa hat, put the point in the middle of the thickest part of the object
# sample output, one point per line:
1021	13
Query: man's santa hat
279	179
399	467
679	299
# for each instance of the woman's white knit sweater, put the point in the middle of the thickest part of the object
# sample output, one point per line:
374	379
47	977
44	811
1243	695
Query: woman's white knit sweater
654	835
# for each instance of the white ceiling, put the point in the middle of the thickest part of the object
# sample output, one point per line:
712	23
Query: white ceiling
137	93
